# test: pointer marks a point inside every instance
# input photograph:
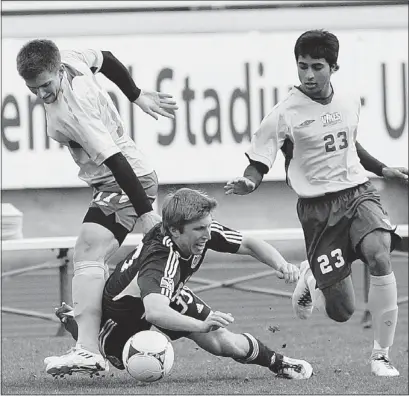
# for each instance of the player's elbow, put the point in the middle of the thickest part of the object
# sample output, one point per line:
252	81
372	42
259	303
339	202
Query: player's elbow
152	314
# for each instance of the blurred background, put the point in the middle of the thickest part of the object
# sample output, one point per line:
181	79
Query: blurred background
226	63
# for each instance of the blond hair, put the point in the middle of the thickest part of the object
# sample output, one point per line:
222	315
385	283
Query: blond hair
185	206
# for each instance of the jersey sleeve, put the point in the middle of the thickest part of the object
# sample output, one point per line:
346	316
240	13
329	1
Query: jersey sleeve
159	273
90	57
224	239
268	139
91	133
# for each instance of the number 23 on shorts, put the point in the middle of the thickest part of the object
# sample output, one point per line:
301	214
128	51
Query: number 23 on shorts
327	264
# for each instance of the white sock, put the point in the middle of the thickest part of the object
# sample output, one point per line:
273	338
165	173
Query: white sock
383	305
87	287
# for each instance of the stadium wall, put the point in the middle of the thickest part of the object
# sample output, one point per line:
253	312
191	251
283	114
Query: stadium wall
219	96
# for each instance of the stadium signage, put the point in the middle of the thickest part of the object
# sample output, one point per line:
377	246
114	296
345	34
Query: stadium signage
225	83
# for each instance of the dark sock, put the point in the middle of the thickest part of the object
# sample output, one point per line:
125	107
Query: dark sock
261	355
71	326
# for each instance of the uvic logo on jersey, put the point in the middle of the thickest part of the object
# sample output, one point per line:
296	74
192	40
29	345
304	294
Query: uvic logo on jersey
331	118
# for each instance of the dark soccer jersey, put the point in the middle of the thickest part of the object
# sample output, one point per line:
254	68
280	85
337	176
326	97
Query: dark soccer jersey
157	266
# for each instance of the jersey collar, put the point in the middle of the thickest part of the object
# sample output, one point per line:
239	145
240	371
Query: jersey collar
323	101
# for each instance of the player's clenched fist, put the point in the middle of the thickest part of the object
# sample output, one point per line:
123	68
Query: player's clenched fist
216	320
289	272
239	186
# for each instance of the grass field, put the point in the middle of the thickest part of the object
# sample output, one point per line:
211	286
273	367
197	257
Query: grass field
338	352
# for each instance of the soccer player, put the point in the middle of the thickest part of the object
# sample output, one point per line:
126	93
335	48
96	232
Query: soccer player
81	115
149	288
338	207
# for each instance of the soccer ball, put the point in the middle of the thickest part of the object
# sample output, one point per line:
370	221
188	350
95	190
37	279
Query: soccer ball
148	356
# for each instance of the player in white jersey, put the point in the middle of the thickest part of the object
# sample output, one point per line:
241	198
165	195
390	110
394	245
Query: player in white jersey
339	209
81	115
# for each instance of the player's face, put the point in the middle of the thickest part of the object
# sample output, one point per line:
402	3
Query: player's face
194	236
46	85
315	76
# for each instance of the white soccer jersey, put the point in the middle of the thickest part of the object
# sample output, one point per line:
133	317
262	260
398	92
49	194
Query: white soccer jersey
325	157
85	119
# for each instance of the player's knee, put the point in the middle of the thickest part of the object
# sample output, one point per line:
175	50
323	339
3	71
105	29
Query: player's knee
375	249
340	311
381	263
94	246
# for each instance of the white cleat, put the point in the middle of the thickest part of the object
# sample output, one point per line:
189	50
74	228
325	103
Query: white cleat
301	298
381	366
76	360
294	369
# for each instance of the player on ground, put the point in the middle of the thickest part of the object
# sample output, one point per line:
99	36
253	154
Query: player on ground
339	209
149	288
81	115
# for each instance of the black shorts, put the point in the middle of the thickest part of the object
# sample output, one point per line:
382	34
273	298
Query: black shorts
335	224
123	318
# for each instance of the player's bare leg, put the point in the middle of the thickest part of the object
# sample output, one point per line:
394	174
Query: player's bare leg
94	245
382	300
246	349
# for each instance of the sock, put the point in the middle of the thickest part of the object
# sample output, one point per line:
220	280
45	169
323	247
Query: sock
71	326
87	287
261	355
383	305
318	299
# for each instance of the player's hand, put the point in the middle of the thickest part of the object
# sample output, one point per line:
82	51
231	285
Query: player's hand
395	173
154	103
148	220
289	272
239	186
216	320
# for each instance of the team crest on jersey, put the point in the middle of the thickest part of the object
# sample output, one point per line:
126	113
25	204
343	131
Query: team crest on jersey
195	260
331	118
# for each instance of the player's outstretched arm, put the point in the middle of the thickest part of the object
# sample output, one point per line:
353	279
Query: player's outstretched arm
267	254
251	179
371	164
151	102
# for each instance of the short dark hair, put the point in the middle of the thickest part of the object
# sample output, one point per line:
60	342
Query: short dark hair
185	206
318	44
38	56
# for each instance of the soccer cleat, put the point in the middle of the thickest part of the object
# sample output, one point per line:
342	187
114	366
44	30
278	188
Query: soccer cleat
294	369
301	298
76	360
381	366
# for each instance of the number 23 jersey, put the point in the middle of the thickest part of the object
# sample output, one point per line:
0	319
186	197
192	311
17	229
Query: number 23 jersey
323	135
